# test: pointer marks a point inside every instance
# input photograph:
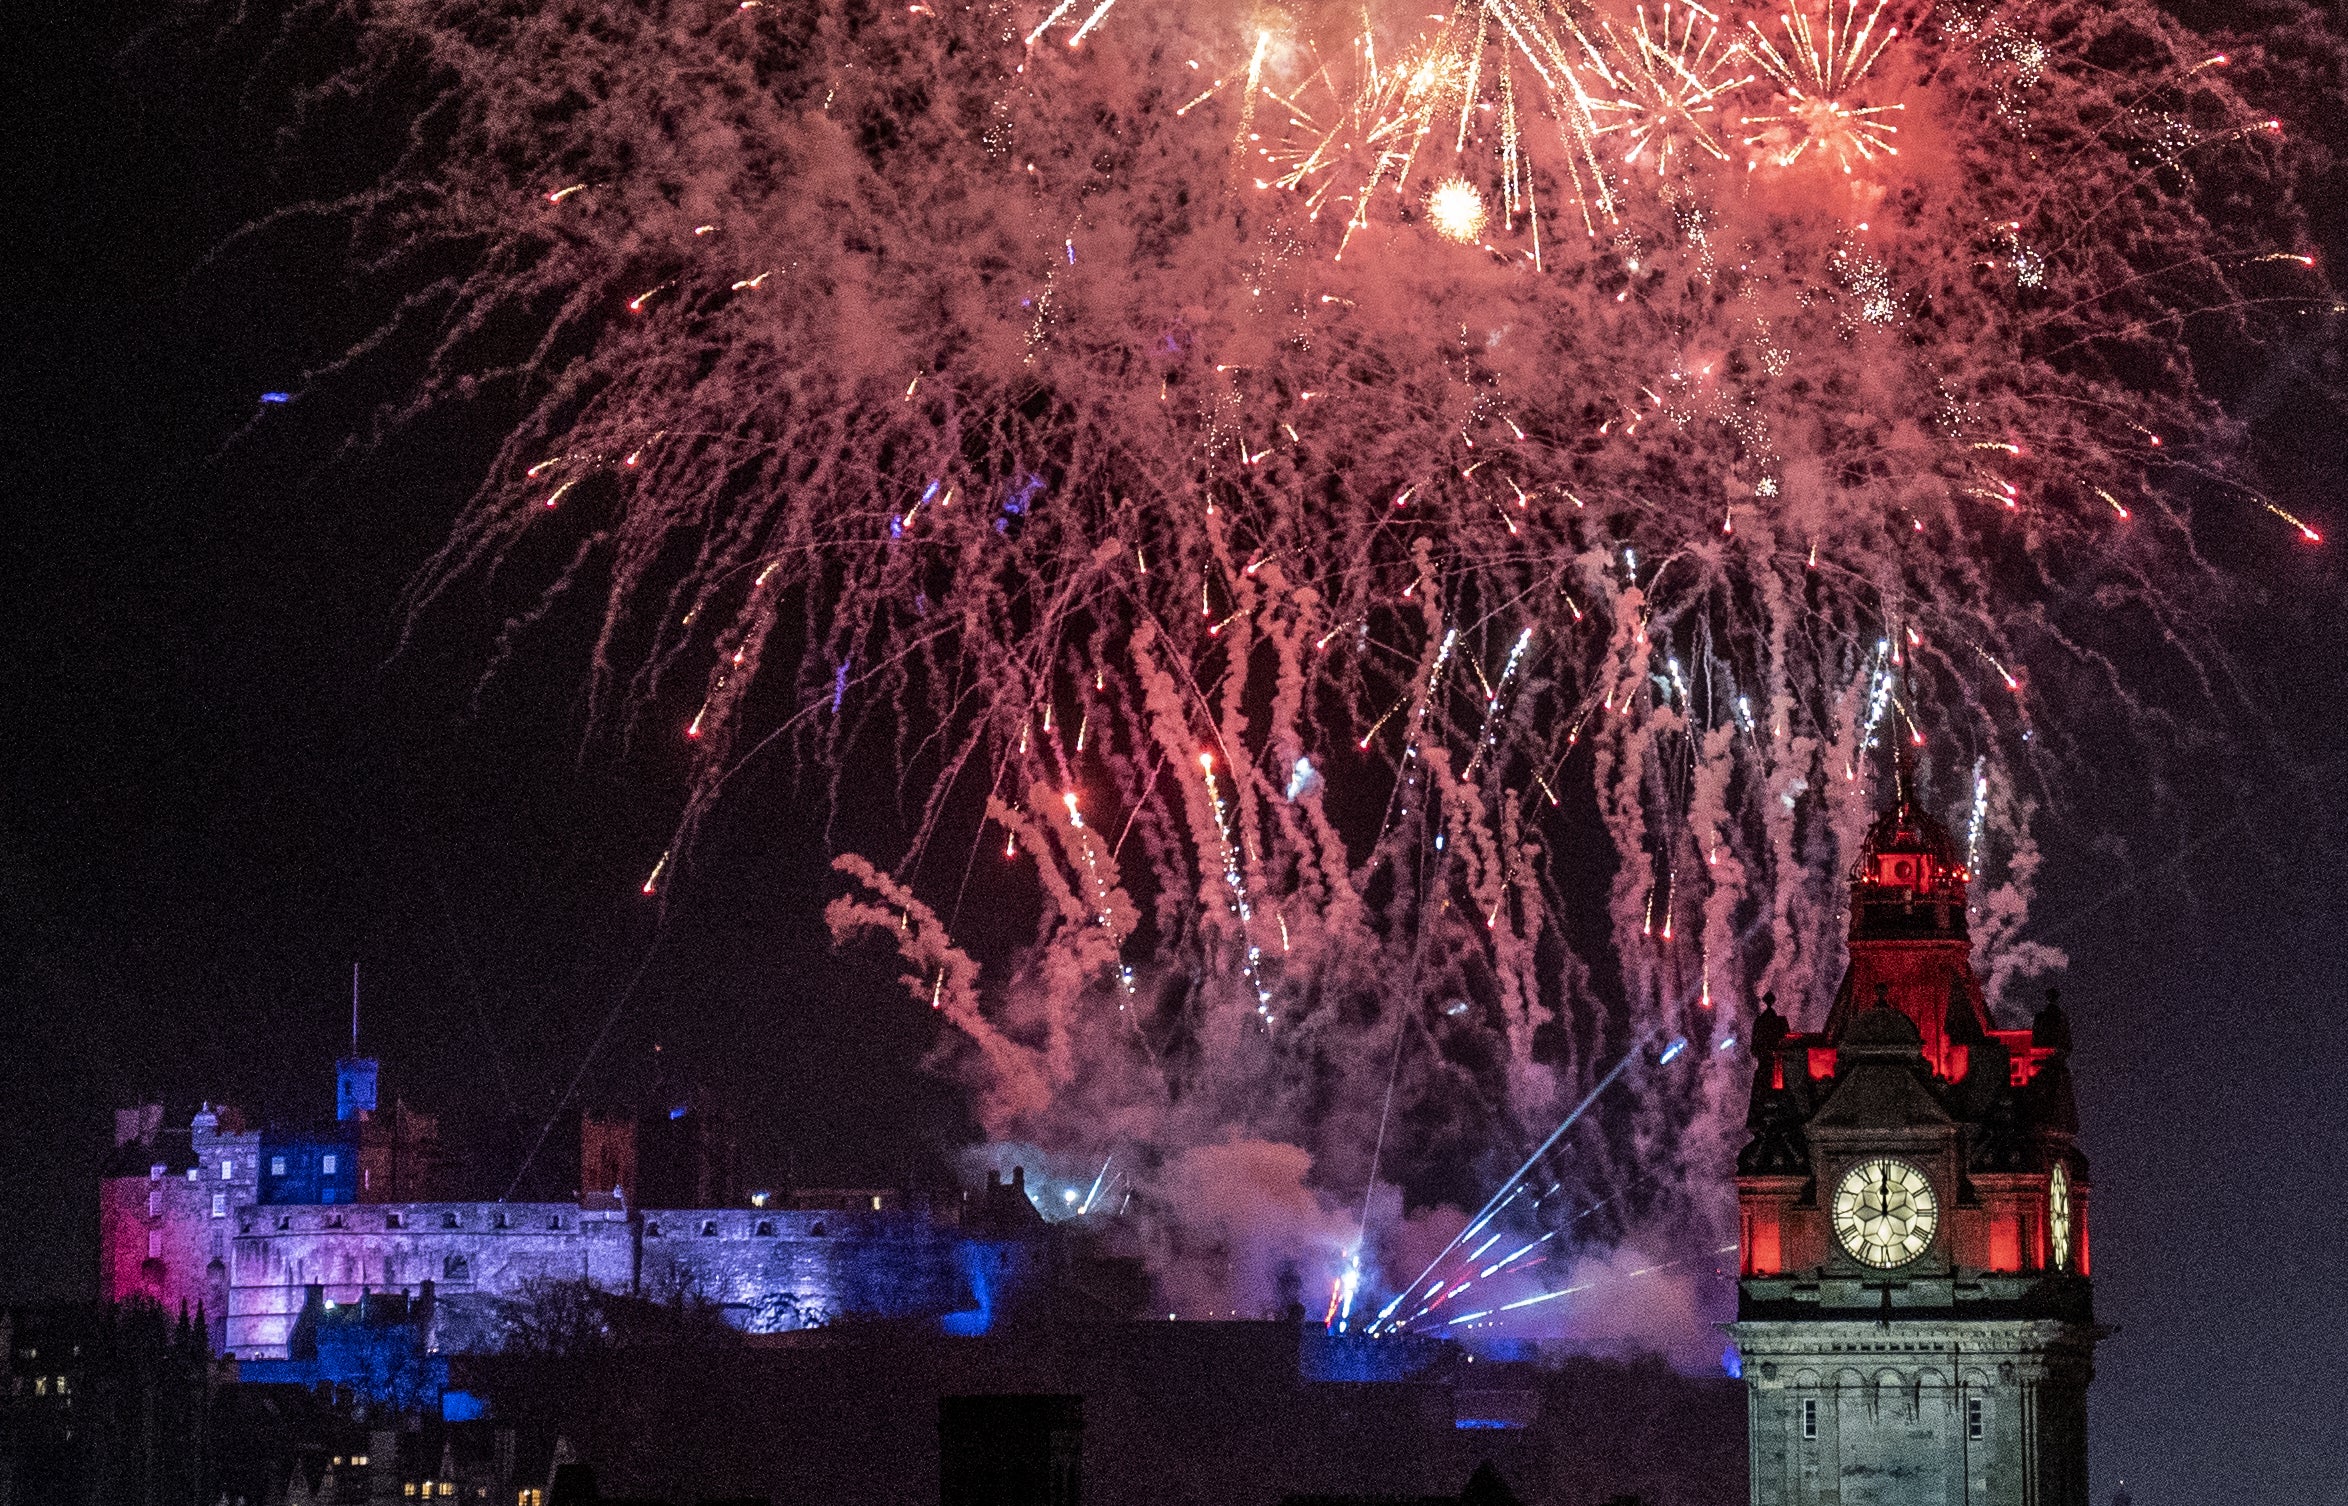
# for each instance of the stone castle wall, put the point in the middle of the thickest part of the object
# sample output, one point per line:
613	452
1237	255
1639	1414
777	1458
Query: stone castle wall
190	1229
164	1234
250	1266
466	1250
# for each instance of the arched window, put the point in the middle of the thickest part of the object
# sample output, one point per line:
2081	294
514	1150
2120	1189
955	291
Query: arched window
456	1268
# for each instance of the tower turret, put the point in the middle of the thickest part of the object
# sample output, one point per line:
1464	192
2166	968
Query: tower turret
1909	943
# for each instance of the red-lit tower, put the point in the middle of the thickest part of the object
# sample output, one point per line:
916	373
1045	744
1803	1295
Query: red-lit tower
1914	1311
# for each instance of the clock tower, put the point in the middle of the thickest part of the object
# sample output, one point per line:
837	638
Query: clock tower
1913	1312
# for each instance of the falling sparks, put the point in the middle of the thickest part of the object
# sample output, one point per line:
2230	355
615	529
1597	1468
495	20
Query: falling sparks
1455	465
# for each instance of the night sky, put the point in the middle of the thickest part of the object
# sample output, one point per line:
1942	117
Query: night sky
227	777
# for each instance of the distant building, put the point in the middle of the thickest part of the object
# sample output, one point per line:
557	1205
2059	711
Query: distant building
1914	1310
168	1209
271	1233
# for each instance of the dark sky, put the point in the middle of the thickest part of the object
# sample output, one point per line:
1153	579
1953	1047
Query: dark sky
223	785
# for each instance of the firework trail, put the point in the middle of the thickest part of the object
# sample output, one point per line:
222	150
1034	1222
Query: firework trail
1408	528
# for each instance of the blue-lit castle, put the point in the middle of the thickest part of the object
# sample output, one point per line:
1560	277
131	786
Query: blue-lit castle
302	1248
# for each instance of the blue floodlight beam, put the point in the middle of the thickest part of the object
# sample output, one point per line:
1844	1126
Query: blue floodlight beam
1096	1187
1507	1188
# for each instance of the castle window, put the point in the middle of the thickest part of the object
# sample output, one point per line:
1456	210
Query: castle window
456	1268
876	1203
195	1173
499	1222
228	1171
285	1221
155	1172
1974	1419
1809	1418
391	1221
652	1231
817	1231
154	1244
155	1204
449	1221
708	1227
555	1222
766	1228
220	1205
327	1163
277	1166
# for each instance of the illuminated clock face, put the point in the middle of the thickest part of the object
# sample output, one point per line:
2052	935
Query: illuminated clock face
1884	1212
2058	1215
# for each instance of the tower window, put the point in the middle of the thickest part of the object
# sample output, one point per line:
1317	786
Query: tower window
327	1163
154	1244
766	1228
1809	1418
1973	1418
220	1205
708	1228
228	1171
277	1166
154	1205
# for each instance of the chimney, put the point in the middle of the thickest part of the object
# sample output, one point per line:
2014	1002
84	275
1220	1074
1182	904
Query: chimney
137	1125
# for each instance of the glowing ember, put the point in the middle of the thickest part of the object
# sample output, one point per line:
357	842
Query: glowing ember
1456	210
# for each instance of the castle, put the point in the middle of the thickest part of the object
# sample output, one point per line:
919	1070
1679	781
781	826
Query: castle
273	1235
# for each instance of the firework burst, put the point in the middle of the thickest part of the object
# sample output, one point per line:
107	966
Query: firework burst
1673	80
1822	64
1281	588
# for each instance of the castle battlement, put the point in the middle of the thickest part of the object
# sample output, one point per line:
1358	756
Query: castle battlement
206	1223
